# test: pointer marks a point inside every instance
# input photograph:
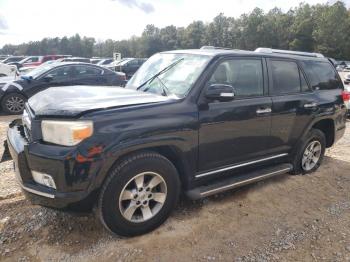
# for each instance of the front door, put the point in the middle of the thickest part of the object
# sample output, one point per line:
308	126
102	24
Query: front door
60	76
236	131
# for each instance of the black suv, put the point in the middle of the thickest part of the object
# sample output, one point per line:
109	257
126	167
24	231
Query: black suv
193	121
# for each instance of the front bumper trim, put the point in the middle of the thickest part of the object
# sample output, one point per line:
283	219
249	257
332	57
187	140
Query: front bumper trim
36	192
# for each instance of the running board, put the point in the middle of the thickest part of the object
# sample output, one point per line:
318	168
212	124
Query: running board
238	181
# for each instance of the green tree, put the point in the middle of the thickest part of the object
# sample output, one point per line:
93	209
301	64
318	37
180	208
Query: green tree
321	28
331	33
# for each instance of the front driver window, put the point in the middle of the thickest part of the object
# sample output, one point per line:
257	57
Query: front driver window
61	73
244	75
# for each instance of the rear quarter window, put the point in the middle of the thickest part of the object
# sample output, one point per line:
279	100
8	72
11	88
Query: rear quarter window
322	75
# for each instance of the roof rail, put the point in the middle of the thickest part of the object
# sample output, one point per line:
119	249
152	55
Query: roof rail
289	52
215	47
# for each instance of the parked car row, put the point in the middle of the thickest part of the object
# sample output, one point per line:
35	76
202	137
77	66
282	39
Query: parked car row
25	64
15	92
127	65
35	60
22	79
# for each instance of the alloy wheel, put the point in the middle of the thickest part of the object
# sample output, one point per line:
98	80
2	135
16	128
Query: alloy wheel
142	197
15	104
311	155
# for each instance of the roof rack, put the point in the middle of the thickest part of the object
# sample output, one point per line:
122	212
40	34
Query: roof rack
278	51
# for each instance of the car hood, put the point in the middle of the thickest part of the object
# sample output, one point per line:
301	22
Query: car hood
71	101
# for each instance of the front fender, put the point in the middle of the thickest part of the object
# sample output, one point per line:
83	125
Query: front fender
180	147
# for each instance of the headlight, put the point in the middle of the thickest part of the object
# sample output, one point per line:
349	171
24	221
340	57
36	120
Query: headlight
66	133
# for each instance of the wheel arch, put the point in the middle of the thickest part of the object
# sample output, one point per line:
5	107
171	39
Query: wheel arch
170	152
327	127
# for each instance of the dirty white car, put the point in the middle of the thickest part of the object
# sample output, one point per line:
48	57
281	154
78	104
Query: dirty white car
7	70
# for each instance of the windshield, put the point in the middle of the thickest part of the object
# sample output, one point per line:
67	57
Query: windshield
178	80
29	59
123	62
24	60
39	70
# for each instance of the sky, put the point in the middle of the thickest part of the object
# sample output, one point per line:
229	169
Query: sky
31	20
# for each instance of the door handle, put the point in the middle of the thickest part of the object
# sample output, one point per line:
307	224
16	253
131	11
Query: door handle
263	110
310	105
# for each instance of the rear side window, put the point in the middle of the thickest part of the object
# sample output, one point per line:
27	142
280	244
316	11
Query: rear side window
87	70
322	75
32	59
285	77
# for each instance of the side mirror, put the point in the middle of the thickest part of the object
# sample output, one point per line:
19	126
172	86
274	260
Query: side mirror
48	78
220	92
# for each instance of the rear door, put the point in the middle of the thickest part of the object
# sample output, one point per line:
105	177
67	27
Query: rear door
236	131
294	103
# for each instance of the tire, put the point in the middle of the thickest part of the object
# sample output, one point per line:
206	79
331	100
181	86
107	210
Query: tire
16	108
315	138
2	75
124	178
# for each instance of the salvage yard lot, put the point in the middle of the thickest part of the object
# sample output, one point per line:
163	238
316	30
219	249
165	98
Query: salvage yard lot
287	218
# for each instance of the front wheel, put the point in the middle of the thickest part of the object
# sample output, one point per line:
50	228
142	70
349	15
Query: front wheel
139	194
13	103
310	154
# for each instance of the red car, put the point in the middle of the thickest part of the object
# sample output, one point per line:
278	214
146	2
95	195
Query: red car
38	60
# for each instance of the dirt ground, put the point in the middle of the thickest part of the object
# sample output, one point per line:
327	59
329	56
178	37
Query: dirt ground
287	218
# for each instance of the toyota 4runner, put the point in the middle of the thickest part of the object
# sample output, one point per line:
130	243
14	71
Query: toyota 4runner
192	121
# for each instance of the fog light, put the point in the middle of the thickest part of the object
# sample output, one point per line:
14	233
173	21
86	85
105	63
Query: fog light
43	179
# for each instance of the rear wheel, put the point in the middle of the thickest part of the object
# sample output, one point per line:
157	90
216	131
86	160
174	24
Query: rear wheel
311	152
13	103
139	194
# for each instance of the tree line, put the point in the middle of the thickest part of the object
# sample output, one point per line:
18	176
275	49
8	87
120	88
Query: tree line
322	28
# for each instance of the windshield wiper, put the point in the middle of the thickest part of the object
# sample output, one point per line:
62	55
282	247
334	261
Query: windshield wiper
165	90
160	72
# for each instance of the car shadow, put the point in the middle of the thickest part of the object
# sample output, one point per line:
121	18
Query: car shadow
6	156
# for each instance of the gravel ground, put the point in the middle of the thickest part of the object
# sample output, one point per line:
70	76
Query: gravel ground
287	218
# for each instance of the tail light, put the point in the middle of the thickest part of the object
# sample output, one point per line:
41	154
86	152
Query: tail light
346	96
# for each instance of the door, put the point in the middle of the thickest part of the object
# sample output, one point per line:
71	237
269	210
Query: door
293	104
236	131
60	76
